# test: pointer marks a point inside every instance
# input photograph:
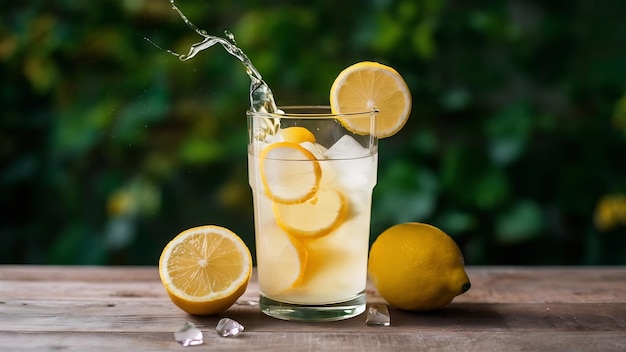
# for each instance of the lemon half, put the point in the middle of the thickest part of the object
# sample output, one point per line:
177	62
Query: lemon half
205	269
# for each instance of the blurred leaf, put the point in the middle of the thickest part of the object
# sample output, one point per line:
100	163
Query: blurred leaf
455	222
134	118
119	232
81	127
388	35
524	221
619	114
423	39
407	11
425	141
42	73
22	169
404	193
491	189
508	132
198	150
468	175
455	99
75	245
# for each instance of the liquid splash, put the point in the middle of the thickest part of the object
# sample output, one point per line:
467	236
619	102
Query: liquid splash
261	96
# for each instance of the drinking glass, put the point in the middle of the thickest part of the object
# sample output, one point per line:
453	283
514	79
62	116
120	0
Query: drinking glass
312	180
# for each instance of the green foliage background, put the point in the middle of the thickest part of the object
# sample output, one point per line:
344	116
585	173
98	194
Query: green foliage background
109	147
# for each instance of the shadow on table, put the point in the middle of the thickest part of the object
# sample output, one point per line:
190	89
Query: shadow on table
461	316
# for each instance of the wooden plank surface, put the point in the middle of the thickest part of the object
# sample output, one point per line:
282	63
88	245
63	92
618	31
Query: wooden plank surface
512	309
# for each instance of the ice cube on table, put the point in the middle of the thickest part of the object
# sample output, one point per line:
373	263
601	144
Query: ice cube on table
227	327
378	315
189	335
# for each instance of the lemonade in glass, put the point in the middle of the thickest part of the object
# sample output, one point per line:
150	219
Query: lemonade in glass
312	170
312	182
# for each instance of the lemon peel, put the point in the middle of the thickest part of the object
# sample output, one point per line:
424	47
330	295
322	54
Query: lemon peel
417	267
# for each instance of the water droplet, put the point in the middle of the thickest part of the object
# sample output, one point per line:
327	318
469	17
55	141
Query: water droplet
230	36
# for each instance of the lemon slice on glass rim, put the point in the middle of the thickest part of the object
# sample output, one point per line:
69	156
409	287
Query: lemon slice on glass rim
371	86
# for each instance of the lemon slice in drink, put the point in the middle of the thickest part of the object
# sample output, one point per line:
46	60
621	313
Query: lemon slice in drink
367	86
314	218
296	134
205	269
290	173
283	263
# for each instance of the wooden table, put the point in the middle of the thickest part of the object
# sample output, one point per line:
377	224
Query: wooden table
51	308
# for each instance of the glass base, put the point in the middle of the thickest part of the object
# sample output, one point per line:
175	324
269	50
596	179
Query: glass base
313	312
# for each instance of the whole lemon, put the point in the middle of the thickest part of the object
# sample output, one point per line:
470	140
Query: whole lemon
417	267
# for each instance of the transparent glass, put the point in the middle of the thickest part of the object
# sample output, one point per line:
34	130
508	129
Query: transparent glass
312	190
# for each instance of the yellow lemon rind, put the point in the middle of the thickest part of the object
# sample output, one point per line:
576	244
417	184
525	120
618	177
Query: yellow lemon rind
284	284
303	255
417	267
214	302
296	134
387	107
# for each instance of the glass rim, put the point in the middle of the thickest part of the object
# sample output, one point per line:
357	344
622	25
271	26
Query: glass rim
311	114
